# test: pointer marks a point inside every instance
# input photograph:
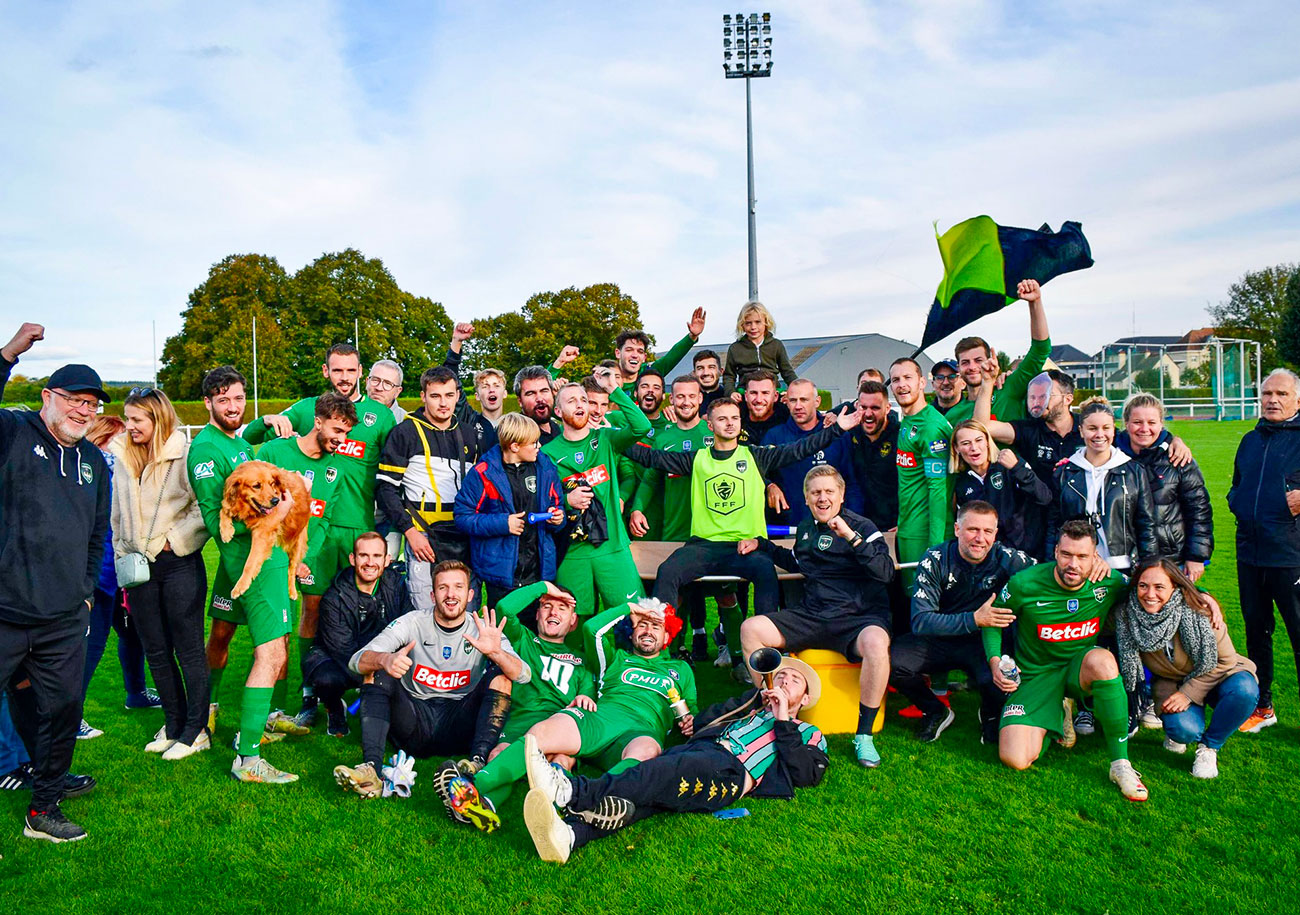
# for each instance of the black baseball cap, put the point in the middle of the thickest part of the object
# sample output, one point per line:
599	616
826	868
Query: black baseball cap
945	363
77	378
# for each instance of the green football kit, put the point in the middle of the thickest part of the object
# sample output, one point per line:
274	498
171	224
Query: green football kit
671	493
924	515
322	474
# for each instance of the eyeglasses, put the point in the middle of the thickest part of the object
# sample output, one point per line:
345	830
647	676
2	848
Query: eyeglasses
84	404
139	392
943	379
382	384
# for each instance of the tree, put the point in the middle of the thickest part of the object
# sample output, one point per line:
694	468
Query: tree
1288	343
587	318
1253	309
218	328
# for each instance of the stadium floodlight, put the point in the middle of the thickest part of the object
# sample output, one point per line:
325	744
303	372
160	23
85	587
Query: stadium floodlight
747	54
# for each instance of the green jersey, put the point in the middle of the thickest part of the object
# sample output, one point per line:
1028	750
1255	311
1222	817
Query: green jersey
213	456
1009	401
559	675
359	455
671	493
922	458
1053	624
594	459
635	473
633	685
322	475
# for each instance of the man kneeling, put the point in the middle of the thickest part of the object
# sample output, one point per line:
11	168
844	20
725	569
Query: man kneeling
750	744
441	683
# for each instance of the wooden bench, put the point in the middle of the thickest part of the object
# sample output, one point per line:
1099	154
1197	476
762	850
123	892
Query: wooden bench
650	554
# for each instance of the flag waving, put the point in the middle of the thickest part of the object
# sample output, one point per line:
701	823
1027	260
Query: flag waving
983	262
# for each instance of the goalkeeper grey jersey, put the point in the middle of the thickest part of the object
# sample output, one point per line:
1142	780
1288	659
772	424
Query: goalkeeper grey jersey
444	665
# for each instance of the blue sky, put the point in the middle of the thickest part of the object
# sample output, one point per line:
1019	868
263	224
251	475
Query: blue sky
487	151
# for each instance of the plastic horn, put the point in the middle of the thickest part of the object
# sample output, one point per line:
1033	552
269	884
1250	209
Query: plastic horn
765	661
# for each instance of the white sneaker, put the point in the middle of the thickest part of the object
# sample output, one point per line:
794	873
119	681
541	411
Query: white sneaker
160	743
1129	780
542	775
1206	763
1174	746
552	837
180	750
724	657
86	732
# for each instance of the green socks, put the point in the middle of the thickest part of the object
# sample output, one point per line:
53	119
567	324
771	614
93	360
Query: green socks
304	646
623	765
279	693
506	768
252	719
730	619
1110	705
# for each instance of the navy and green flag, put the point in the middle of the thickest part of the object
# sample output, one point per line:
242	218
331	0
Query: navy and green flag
983	263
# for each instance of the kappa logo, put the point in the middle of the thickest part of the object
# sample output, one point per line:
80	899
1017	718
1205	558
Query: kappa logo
205	471
444	681
39	451
353	449
1069	632
369	418
824	542
331	474
1013	711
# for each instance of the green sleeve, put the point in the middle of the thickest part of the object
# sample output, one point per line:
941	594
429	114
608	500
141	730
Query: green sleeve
316	533
598	639
301	415
935	463
688	686
208	490
668	361
648	489
637	424
514	603
1016	388
629	478
991	636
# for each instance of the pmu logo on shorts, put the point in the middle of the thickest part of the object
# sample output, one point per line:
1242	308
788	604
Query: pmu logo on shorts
442	680
353	449
905	459
1069	632
644	679
1013	711
318	508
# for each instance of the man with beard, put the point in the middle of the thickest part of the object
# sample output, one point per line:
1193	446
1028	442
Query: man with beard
1049	436
872	447
763	409
537	399
707	367
922	456
802	399
314	457
441	683
422	469
948	386
490	389
54	506
631	347
649	395
215	452
587	460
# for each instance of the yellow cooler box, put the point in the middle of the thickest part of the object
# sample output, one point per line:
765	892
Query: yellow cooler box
837	712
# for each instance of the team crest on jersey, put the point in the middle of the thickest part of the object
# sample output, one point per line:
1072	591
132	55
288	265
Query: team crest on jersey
369	418
1099	593
467	646
686	445
742	466
310	477
87	473
997	482
708	441
446	652
885	448
824	542
579	457
331	474
530	484
1072	604
205	471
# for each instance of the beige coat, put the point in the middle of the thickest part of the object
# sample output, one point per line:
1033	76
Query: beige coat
179	521
1167	675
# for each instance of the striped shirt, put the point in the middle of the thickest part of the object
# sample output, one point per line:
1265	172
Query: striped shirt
752	740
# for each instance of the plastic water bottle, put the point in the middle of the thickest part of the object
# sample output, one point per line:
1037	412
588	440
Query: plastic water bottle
1007	665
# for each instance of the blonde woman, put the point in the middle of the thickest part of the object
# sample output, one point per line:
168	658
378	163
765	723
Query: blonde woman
756	347
981	471
156	514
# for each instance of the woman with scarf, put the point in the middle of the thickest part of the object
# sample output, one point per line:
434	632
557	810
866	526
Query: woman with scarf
1166	626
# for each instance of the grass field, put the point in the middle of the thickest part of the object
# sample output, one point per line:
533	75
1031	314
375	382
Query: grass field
938	828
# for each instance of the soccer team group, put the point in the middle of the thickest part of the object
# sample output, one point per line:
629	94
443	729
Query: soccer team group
472	573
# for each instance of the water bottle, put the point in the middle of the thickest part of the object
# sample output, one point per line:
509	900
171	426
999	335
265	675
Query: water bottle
1007	665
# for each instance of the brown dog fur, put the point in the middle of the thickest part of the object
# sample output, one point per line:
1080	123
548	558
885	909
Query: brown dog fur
252	491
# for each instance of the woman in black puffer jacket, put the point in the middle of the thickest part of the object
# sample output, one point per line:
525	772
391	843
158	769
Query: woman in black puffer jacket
1184	519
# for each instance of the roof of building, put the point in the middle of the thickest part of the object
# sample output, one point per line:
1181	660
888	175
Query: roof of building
1067	353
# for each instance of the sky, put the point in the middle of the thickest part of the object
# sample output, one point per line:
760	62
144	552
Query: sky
488	151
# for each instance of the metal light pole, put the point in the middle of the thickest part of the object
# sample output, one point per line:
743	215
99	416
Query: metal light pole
746	54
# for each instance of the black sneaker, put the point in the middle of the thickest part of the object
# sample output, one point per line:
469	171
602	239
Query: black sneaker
52	826
700	647
611	813
20	777
989	732
337	726
740	673
307	716
933	724
77	785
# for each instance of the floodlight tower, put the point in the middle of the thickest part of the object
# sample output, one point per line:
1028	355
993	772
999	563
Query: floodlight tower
746	54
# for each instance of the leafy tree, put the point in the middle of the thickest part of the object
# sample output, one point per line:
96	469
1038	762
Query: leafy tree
1288	343
218	328
588	318
1253	309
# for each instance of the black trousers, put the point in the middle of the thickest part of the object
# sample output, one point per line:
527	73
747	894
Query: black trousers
694	777
424	728
327	679
168	614
1262	588
913	655
53	657
695	558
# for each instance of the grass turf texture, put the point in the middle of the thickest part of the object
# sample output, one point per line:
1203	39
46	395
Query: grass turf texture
938	828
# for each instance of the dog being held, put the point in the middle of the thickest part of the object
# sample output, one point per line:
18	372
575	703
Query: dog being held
253	492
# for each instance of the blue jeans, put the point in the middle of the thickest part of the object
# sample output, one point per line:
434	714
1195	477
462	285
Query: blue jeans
1233	701
107	614
12	751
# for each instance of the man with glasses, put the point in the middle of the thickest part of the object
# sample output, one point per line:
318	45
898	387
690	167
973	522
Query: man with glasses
54	507
384	385
948	385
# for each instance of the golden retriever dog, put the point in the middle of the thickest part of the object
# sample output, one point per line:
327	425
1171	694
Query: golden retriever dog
252	492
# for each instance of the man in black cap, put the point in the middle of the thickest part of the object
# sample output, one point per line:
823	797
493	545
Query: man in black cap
948	385
54	505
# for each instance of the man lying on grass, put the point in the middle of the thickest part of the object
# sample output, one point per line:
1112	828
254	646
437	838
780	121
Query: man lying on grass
751	744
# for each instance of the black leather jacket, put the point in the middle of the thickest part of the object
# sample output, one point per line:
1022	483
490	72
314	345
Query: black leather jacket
1126	515
1184	518
350	618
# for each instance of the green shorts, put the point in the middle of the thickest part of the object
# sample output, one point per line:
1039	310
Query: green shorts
330	559
518	723
264	607
1038	701
603	737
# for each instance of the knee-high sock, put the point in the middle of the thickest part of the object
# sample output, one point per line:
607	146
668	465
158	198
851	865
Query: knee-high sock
278	693
504	770
252	719
214	680
304	646
622	766
491	719
1110	704
730	619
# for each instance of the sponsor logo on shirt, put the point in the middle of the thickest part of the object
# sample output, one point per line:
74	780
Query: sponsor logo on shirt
1069	632
442	680
222	603
645	679
39	451
593	477
353	449
938	446
318	508
205	471
905	459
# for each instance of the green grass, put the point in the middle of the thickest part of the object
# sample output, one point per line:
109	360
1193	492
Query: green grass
939	828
